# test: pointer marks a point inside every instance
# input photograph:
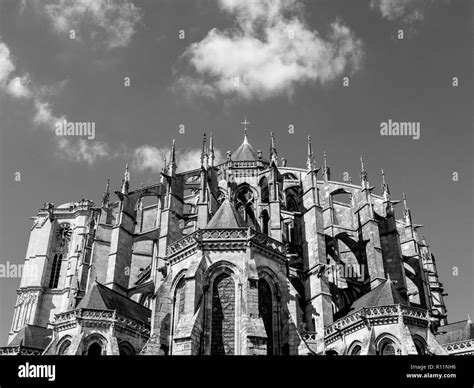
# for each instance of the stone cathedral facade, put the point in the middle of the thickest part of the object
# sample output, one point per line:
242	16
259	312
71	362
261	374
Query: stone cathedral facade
246	257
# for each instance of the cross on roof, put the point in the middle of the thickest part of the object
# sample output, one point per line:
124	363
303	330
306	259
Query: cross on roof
245	123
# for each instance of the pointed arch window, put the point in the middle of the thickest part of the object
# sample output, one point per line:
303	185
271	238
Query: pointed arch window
55	270
223	316
63	349
94	349
265	311
265	221
179	302
245	205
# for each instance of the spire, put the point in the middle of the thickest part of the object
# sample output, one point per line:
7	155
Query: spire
273	151
172	163
125	180
106	194
386	195
310	158
163	170
406	211
326	170
211	149
204	155
245	123
385	188
364	178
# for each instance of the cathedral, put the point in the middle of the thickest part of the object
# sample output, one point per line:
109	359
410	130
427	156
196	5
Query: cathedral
248	256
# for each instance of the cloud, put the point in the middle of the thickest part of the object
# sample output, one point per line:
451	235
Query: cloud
81	150
270	52
19	87
22	87
150	158
407	11
6	63
112	23
44	116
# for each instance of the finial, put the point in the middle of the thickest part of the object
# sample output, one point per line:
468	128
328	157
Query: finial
273	151
203	150
310	158
327	171
211	149
125	180
173	151
106	194
407	212
363	174
385	188
172	163
245	123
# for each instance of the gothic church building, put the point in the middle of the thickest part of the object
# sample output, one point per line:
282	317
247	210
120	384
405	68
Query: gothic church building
246	257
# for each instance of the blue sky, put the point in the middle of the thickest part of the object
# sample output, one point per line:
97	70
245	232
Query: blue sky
290	58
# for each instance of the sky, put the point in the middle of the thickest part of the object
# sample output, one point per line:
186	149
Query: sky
147	72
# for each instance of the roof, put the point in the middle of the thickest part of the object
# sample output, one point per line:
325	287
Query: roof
455	332
245	152
33	337
100	297
226	217
384	294
67	205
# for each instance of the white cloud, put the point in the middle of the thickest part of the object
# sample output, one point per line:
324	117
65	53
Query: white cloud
269	53
19	87
44	116
6	63
113	23
81	150
22	87
408	11
150	158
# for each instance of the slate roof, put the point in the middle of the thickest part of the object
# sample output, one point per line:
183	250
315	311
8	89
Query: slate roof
33	337
455	332
226	217
384	294
100	297
245	152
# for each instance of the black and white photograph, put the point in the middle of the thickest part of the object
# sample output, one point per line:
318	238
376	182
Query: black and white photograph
183	180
